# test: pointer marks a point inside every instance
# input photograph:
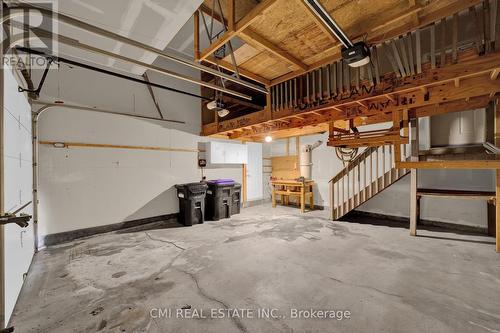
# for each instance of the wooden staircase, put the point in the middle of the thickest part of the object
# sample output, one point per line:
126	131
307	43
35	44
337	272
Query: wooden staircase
368	174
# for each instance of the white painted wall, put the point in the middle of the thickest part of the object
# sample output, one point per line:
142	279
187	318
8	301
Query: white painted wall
88	187
254	172
18	189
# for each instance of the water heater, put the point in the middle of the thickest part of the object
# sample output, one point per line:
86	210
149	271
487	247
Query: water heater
305	159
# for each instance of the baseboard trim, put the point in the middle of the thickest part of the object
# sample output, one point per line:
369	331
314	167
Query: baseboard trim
68	236
439	224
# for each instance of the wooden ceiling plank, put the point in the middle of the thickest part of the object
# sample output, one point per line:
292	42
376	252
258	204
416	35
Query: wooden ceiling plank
318	22
241	25
380	35
411	11
251	37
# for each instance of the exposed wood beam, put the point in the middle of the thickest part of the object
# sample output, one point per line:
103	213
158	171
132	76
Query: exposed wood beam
226	37
439	85
196	36
231	14
377	35
252	38
241	25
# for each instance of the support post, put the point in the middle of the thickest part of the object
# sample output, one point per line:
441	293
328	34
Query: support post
413	177
397	145
196	19
231	15
269	104
332	200
302	198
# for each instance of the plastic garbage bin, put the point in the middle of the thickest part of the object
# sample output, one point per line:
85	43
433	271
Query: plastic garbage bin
236	204
191	203
219	199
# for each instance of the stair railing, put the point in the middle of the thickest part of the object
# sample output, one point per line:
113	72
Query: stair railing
368	174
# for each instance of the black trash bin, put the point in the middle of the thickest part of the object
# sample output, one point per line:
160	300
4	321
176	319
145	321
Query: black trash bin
191	203
236	204
219	199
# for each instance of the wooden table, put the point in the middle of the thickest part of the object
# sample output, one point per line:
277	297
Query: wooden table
287	188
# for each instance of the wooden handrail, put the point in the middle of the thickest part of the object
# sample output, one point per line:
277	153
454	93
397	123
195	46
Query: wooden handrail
353	163
366	175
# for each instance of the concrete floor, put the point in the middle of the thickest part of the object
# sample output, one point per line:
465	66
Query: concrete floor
265	258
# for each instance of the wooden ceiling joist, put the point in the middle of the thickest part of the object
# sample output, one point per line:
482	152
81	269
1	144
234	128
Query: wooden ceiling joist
241	25
475	80
376	32
318	21
251	37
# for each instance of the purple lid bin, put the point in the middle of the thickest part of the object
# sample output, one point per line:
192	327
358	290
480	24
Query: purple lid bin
221	181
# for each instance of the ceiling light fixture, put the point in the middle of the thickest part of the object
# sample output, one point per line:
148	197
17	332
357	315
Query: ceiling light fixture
219	107
268	138
223	112
354	54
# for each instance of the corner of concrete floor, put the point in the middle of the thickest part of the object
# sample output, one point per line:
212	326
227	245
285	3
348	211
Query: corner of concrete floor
265	258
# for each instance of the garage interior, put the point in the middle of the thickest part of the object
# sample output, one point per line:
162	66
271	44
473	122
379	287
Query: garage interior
250	166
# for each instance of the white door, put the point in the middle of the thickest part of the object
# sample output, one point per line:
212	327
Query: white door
18	189
254	171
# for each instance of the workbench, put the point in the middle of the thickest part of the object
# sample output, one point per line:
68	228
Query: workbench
287	188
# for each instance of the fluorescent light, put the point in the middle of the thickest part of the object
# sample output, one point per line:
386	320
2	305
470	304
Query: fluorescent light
268	138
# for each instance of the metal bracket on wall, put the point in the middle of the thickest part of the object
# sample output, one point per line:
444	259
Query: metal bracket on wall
21	220
36	91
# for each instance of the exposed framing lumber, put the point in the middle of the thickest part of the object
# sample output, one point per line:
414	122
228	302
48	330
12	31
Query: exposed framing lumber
99	145
414	146
251	37
231	14
241	25
430	88
196	35
318	21
377	35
